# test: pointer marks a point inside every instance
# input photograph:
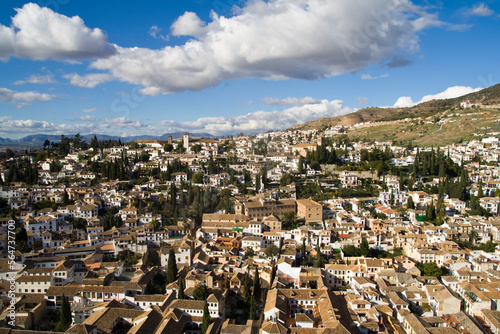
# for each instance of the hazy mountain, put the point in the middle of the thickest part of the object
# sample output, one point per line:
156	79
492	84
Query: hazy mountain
39	139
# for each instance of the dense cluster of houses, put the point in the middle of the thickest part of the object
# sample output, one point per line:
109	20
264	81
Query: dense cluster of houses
347	294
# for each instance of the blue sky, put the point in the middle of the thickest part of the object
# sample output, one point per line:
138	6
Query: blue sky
223	66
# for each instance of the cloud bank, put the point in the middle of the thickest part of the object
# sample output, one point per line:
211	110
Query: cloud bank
7	95
89	80
38	33
301	39
290	101
37	79
449	93
255	122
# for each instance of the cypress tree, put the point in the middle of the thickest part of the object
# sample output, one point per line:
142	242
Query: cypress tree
257	292
206	319
65	319
480	191
319	258
253	308
180	295
246	290
301	165
273	274
410	204
441	169
171	267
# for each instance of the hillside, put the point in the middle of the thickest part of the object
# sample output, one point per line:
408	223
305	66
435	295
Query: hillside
436	122
488	97
451	126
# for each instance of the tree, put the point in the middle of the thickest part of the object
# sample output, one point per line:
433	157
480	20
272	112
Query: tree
257	292
9	153
472	236
144	156
65	314
431	269
290	219
409	203
171	267
205	322
286	179
78	141
257	182
180	295
246	290
489	247
273	274
197	177
249	252
319	263
430	212
272	251
168	147
21	235
364	247
301	165
157	285
196	148
200	292
253	308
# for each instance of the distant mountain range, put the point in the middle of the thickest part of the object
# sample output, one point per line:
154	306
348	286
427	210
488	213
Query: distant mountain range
39	139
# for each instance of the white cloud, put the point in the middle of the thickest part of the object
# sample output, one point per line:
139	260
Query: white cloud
449	93
89	124
89	110
122	122
154	32
89	80
303	39
362	101
87	118
258	121
188	24
34	126
404	102
290	101
481	9
39	33
7	95
370	77
254	122
37	79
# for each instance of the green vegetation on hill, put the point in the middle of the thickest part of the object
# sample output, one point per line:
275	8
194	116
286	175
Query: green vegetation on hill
450	126
437	122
